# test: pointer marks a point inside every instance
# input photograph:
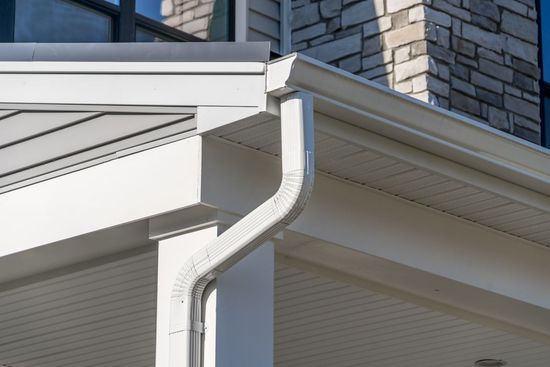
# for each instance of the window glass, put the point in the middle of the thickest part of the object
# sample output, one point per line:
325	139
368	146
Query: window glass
545	27
207	20
59	21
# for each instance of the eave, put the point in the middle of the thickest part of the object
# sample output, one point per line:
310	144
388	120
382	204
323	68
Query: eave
373	136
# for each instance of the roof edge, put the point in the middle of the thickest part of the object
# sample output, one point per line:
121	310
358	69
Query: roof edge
411	121
138	52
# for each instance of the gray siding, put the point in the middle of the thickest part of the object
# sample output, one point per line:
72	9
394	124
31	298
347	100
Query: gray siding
264	22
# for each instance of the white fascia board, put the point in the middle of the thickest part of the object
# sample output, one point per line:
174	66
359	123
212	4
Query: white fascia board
135	83
389	113
120	191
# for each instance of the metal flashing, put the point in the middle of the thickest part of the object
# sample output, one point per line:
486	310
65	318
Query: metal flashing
137	52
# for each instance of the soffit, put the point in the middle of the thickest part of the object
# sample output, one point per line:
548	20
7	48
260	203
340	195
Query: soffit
42	141
361	157
101	312
321	321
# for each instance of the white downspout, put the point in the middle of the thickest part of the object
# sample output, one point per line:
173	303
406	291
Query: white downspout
260	225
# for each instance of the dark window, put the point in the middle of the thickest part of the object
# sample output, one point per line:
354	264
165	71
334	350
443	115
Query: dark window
544	19
115	20
207	20
58	20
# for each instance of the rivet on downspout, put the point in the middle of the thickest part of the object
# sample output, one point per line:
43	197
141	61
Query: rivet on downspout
257	227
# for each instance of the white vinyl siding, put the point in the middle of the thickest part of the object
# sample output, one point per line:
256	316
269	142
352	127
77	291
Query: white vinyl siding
100	314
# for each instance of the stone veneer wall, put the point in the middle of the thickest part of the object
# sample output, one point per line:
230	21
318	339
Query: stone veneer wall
475	57
190	16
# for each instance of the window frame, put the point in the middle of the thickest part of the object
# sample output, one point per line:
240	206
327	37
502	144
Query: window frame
543	85
125	21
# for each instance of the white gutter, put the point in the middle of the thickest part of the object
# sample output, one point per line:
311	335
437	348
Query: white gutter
297	138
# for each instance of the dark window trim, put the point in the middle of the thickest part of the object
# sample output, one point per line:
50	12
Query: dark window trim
7	20
544	86
125	20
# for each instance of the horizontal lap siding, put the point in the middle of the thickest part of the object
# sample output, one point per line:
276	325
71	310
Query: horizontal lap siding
104	314
264	22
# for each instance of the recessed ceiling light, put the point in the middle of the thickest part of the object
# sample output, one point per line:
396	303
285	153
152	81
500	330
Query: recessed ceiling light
490	363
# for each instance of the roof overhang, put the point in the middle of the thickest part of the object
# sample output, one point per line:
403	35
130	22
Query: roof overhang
374	136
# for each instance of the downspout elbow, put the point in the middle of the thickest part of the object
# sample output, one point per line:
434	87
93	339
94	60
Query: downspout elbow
260	225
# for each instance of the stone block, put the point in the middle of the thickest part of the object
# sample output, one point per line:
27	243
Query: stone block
460	71
465	103
524	82
414	67
522	107
333	25
498	118
427	97
467	61
437	86
385	80
486	8
520	27
486	82
336	49
330	8
408	34
463	47
529	135
404	87
441	53
490	55
450	9
372	46
511	90
512	5
398	5
381	58
484	23
535	98
498	71
402	54
456	27
526	68
443	72
310	32
378	71
422	12
489	97
377	26
323	39
351	64
443	37
463	86
400	20
306	15
521	49
530	124
362	12
483	38
420	83
419	48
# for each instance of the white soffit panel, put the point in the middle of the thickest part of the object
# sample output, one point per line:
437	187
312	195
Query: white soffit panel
101	314
337	156
320	321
